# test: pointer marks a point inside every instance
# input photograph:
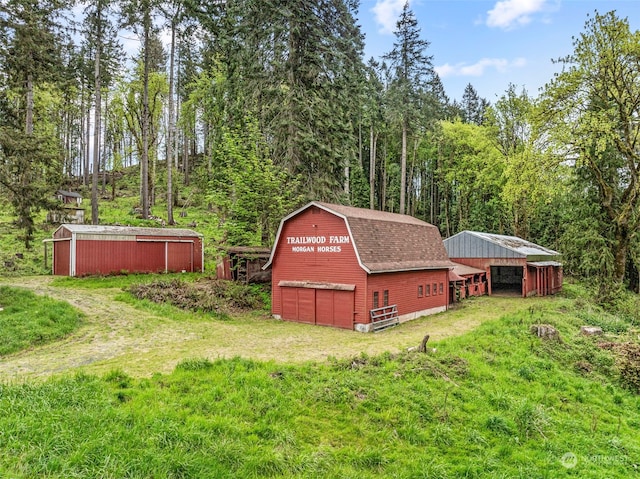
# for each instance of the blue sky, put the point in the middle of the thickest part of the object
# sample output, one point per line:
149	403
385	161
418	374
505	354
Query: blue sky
490	44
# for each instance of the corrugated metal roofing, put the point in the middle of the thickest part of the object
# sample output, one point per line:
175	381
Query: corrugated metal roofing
387	242
128	230
475	244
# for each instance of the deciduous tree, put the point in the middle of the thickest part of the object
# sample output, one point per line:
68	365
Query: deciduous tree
590	113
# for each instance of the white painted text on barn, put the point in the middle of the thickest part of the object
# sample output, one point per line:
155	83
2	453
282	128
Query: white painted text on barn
321	244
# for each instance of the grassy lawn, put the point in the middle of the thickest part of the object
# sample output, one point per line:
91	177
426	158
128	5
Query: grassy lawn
28	320
142	338
493	401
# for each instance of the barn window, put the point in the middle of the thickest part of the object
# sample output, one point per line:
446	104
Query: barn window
441	288
385	298
376	302
427	290
435	288
419	291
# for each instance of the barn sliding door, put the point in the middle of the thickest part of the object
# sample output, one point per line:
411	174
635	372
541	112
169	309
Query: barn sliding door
324	307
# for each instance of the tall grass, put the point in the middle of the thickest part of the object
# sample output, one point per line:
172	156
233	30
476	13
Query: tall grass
497	402
27	319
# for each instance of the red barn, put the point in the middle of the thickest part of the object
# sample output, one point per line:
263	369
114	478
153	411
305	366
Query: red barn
80	250
348	267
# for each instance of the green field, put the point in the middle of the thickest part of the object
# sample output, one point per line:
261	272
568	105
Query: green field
495	401
95	382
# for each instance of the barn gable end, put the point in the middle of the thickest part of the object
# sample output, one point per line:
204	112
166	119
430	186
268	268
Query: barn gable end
333	264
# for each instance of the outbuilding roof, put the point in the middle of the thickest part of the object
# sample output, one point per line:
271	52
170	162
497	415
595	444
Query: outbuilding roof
71	194
386	242
475	244
464	270
127	230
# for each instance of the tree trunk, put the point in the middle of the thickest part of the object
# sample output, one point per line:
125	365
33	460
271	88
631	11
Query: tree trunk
185	157
383	193
403	167
96	129
87	125
144	161
172	128
620	253
105	150
373	140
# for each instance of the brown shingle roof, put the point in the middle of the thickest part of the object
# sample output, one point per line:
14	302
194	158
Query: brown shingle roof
392	242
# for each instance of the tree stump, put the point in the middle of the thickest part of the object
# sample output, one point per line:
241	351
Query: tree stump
423	344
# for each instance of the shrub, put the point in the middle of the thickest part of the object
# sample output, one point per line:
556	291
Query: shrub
629	365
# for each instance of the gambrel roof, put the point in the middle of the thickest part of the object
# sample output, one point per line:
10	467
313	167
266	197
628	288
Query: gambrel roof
385	242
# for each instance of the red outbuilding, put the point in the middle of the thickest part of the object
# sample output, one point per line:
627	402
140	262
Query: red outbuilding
511	264
80	250
356	268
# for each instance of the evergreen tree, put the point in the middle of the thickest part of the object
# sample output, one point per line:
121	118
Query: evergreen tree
473	107
411	71
297	65
30	57
139	17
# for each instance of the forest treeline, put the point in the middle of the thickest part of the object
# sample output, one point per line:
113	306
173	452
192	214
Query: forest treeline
264	105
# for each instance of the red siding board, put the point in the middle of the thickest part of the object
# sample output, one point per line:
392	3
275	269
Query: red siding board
343	309
324	307
306	305
289	303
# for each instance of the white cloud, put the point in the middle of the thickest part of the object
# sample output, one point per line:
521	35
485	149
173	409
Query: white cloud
508	14
386	14
479	68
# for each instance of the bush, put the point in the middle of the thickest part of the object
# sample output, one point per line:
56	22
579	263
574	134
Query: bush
629	365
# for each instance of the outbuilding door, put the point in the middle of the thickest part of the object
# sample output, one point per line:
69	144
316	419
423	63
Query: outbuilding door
325	307
62	258
507	280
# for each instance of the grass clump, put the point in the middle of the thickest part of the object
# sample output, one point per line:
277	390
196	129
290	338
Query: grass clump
28	320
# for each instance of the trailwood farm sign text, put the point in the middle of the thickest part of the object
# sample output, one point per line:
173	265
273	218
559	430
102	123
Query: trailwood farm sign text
311	244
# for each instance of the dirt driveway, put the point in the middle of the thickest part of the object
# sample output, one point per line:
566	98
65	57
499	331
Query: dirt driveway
115	335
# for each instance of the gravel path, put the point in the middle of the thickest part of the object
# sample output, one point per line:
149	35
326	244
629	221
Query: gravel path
115	335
